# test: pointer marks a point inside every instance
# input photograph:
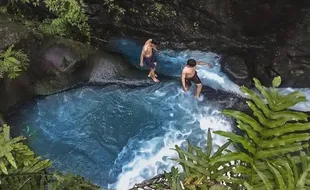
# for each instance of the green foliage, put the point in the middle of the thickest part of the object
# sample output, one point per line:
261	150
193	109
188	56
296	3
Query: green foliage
70	16
115	8
12	62
174	179
203	170
263	157
21	169
70	13
71	182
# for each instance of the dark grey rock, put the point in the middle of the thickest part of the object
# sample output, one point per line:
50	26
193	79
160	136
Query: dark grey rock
236	69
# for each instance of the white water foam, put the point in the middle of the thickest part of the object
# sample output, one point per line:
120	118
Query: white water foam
302	106
212	77
148	162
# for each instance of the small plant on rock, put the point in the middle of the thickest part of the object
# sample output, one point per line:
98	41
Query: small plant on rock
12	62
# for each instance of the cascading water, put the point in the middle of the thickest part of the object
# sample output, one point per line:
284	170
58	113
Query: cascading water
171	62
118	136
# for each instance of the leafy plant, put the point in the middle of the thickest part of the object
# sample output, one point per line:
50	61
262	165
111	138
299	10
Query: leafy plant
21	169
264	156
114	7
203	169
71	182
12	62
70	16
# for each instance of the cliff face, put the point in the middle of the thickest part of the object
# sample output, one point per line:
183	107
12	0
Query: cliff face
264	38
257	38
56	64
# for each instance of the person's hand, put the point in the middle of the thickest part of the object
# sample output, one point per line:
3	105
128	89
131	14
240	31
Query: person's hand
141	64
185	89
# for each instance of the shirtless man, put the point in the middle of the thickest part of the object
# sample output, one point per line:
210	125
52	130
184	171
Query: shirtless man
148	57
189	75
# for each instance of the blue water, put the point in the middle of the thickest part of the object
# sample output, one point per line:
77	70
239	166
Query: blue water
118	136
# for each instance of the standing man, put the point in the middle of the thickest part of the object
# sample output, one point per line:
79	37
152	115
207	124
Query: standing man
189	75
148	57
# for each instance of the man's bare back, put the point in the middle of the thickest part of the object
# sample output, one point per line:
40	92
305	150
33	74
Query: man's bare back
189	71
189	75
147	49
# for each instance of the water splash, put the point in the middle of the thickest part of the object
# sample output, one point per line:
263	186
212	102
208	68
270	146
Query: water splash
118	136
171	63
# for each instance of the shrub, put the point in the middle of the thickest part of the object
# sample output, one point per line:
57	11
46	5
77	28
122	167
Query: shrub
21	169
12	62
271	154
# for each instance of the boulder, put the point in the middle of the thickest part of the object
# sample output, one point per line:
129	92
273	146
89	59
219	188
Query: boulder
236	69
58	64
108	68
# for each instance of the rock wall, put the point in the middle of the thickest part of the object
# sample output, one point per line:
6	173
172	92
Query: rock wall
269	37
56	64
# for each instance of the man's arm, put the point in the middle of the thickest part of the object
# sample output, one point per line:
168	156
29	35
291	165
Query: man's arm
203	63
183	80
142	56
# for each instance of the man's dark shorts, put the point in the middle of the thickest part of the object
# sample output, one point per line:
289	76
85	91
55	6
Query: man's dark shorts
149	61
195	79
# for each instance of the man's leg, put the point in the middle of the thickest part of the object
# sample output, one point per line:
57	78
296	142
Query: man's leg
152	71
155	64
153	75
199	87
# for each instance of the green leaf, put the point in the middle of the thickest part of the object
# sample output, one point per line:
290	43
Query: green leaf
194	167
248	186
284	140
288	128
278	176
302	180
264	178
191	157
237	139
250	132
289	176
221	149
209	143
244	118
264	154
3	167
11	159
232	156
276	81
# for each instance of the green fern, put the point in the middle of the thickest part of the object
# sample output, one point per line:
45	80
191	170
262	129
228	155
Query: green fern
20	169
262	159
58	26
284	174
70	16
202	169
12	62
71	182
270	137
70	13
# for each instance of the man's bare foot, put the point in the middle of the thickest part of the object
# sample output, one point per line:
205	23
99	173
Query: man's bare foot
155	79
197	97
150	75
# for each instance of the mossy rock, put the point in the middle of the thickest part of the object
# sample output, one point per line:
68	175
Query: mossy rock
83	50
52	85
12	33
